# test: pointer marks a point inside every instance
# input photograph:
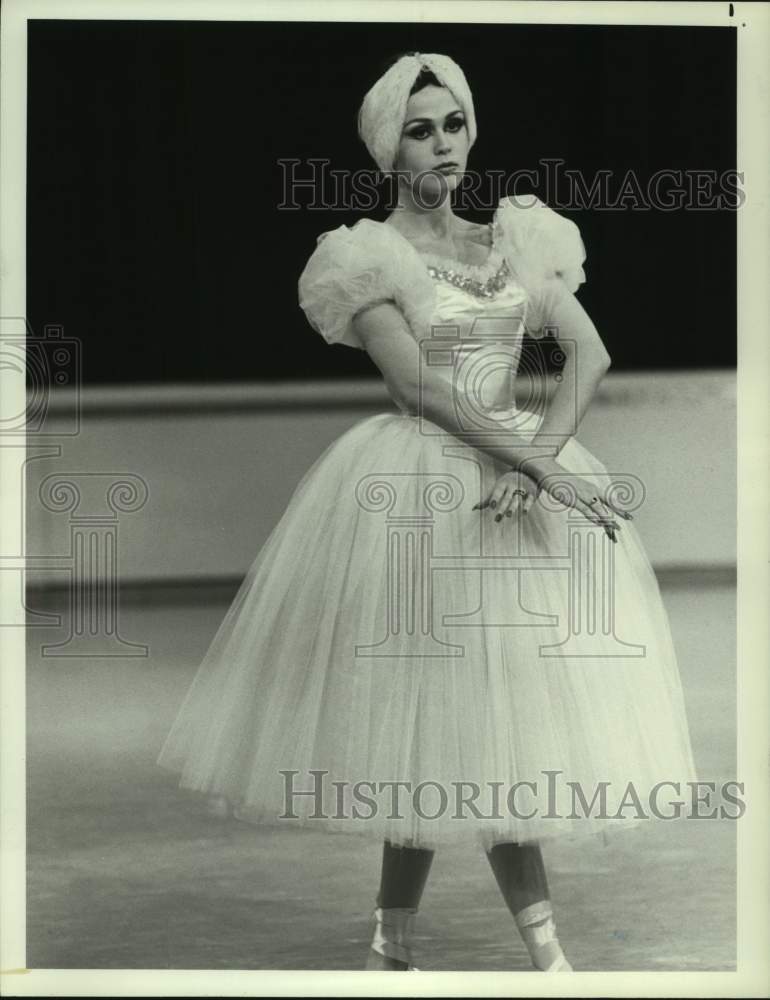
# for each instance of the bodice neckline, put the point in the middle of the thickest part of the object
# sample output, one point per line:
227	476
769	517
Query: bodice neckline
487	268
479	272
482	281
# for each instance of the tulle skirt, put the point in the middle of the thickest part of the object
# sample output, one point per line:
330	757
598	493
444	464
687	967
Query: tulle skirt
397	664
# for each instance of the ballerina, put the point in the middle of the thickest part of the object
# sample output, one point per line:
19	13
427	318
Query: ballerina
403	627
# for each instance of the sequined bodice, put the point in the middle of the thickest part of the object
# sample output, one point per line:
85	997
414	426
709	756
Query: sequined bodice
477	328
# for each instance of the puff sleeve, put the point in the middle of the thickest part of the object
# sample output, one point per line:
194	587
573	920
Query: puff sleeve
543	249
351	269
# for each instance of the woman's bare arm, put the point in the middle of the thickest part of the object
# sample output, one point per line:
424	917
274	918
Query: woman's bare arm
586	362
385	334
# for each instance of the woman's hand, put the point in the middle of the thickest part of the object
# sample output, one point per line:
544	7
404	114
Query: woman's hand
513	491
516	490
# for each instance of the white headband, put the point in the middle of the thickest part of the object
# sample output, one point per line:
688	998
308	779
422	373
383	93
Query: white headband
383	111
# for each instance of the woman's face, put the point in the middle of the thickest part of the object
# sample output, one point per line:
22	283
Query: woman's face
434	133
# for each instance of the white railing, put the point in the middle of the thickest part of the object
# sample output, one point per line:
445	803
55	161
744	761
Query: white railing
617	389
219	462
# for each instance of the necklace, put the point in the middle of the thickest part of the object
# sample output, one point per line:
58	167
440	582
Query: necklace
481	289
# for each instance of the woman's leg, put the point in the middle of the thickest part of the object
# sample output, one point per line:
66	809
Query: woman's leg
520	874
404	874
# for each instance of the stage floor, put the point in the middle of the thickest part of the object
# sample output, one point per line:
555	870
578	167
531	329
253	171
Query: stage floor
127	871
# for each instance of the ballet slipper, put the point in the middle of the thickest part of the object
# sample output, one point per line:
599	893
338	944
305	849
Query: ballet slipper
538	931
390	949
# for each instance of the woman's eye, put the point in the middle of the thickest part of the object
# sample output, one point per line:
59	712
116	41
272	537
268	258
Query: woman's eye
423	131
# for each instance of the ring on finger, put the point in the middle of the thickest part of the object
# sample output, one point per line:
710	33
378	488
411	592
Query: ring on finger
604	502
621	513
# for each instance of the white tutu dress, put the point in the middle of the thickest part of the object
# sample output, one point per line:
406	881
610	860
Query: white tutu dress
397	664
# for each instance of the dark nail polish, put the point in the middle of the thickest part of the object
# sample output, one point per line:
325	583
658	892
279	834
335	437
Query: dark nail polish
498	517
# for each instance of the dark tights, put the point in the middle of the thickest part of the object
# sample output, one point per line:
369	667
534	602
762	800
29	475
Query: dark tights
520	873
404	874
518	869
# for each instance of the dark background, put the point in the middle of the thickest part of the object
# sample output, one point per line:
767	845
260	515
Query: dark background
154	234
